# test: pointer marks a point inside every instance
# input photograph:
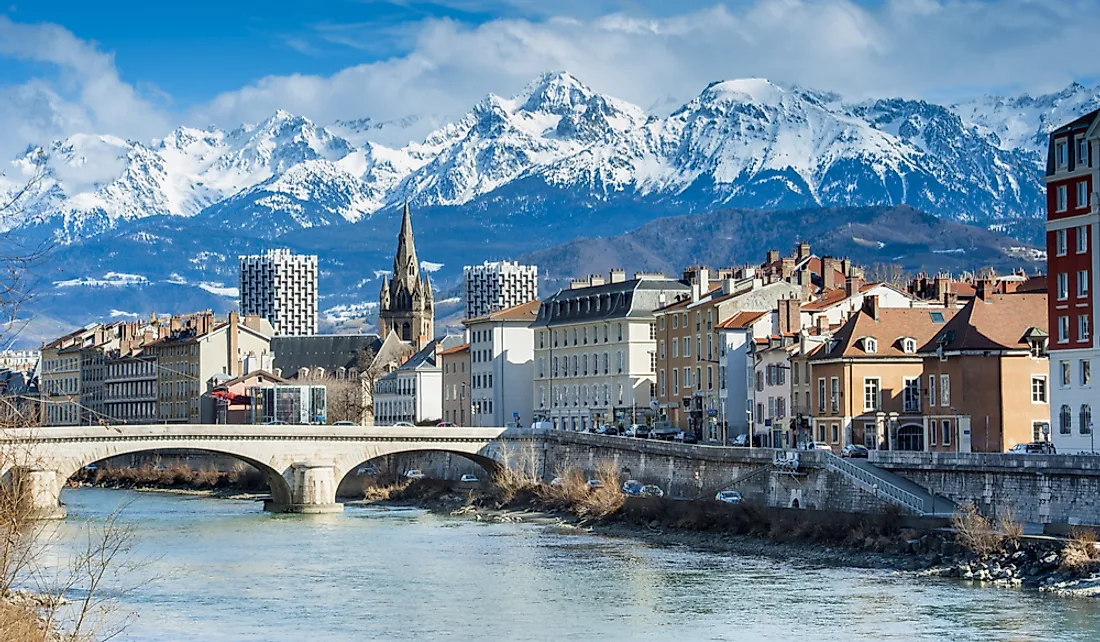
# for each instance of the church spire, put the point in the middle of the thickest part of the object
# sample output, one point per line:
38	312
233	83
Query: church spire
406	270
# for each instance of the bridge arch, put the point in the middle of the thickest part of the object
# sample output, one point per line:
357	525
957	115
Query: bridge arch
277	480
489	465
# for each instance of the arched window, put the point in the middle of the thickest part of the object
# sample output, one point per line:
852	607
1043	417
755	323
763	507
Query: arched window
870	346
575	369
908	345
585	364
1085	427
1065	420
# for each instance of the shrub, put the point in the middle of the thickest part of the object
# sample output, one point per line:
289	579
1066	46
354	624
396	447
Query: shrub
1079	553
975	531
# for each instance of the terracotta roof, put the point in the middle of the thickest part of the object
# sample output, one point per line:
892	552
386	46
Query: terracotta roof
465	347
1036	283
522	312
892	325
740	320
837	295
997	322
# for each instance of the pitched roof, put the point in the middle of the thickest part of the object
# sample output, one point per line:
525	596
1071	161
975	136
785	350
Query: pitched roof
742	319
522	312
255	373
465	347
892	325
328	351
997	322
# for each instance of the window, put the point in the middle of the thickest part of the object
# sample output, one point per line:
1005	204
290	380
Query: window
1065	373
794	373
620	332
759	413
585	335
1063	286
675	321
932	390
782	374
1038	390
698	319
759	380
542	367
1060	242
661	381
1083	327
834	394
698	378
661	321
911	394
1061	156
1062	198
661	349
619	356
1083	151
606	363
1063	329
870	346
1082	238
687	378
872	394
1086	372
1084	424
710	377
1065	420
1082	284
771	408
908	345
675	381
835	433
1037	431
820	395
946	425
1082	194
687	346
933	435
675	348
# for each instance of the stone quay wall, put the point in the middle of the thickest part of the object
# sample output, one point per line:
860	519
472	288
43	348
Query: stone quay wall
698	471
1043	489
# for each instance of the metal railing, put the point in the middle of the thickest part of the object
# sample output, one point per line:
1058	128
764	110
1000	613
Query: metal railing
881	487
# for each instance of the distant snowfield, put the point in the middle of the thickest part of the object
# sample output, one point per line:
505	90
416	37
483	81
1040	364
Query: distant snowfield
428	266
109	280
220	289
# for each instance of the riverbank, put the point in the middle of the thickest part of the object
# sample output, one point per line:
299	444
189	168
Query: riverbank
242	483
21	619
1068	568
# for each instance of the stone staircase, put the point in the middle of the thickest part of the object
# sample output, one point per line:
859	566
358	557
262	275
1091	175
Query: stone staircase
890	487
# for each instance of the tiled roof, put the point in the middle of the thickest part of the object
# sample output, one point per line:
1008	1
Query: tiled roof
997	322
892	325
522	312
741	320
328	351
465	347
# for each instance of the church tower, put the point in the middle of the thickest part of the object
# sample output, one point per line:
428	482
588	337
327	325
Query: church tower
406	305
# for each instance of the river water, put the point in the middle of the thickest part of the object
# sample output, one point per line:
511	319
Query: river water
226	571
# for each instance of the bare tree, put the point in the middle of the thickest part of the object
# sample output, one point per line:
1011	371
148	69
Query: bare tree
891	273
370	370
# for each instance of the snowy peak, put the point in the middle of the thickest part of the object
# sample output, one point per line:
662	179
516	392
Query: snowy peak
1023	122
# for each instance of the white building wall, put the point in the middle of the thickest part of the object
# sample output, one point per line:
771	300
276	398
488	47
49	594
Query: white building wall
282	288
491	287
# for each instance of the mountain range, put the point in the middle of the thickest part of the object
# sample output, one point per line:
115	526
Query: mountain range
137	226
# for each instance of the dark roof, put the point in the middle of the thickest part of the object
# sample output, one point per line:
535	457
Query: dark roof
1079	124
634	298
328	351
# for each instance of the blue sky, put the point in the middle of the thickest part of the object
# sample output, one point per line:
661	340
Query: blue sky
138	69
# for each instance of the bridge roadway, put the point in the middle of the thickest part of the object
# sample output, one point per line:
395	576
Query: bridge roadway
303	465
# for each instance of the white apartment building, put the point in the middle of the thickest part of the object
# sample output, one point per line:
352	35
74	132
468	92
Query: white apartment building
738	337
413	393
130	389
494	286
282	288
501	365
596	350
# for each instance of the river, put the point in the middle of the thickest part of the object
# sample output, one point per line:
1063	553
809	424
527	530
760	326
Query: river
224	570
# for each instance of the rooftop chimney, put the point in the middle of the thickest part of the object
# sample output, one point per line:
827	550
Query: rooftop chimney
790	315
232	362
870	306
822	324
802	250
618	275
773	256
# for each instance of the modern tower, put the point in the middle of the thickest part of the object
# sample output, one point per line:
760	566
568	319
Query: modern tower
282	288
492	287
406	305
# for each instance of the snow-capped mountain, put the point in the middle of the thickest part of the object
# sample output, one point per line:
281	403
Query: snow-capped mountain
556	161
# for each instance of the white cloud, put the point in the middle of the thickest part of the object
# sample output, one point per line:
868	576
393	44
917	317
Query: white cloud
940	49
83	93
654	53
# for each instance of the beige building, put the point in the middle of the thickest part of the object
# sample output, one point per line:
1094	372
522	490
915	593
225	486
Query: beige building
456	384
595	354
193	353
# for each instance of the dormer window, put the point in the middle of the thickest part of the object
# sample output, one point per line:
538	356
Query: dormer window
870	345
908	345
1061	156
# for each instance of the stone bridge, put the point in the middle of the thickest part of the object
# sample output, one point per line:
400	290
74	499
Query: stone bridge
303	465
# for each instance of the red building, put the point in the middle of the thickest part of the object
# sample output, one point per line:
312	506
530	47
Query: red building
1072	262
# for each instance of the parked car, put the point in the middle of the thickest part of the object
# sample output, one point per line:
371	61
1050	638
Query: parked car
741	440
469	479
728	497
1034	448
816	445
687	437
641	431
542	425
415	473
613	431
445	424
649	490
855	451
403	424
275	422
344	423
632	487
593	484
367	470
663	430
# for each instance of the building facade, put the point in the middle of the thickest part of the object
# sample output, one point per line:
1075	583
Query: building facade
595	354
1073	213
455	363
282	288
413	393
494	286
501	365
406	304
130	388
